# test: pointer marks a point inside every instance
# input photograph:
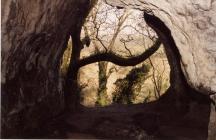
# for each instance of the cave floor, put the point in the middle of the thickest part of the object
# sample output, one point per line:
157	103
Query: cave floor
140	121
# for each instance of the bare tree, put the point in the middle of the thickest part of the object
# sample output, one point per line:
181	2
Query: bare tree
98	27
104	43
103	65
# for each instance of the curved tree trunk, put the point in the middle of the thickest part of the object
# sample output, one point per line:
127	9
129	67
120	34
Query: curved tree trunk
178	83
34	37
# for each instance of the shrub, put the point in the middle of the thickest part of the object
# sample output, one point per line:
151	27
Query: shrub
127	87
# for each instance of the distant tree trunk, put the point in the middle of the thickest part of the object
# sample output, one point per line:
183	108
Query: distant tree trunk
34	37
102	90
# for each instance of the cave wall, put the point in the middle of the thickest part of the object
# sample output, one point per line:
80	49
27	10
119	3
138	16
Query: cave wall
193	27
34	37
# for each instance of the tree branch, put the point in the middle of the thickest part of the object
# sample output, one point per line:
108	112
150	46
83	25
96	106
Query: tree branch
118	60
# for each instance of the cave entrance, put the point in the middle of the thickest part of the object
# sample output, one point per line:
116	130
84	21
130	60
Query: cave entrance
34	38
141	83
162	118
125	33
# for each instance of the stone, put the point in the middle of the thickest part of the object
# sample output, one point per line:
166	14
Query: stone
192	25
193	28
34	37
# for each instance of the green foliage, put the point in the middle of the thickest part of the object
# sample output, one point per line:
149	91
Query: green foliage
121	94
127	87
138	74
102	99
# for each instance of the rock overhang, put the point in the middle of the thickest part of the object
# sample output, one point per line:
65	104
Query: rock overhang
193	28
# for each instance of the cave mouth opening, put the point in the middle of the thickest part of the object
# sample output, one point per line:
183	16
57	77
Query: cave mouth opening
143	83
125	34
102	118
162	118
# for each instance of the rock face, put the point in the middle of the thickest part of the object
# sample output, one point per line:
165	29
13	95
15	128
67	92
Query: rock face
193	27
34	37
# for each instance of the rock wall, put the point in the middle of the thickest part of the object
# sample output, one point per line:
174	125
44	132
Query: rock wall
193	27
34	37
35	34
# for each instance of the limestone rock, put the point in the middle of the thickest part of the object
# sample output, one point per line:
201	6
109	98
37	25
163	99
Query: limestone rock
193	27
34	37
